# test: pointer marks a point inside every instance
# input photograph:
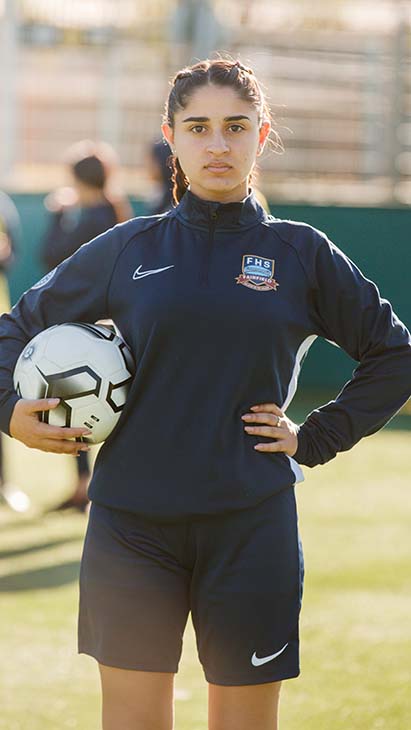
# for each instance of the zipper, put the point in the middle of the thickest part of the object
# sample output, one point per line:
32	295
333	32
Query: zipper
210	244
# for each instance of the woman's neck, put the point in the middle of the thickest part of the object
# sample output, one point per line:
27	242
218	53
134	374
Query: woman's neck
236	195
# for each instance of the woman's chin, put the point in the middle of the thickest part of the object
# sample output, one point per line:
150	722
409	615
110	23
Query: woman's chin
224	183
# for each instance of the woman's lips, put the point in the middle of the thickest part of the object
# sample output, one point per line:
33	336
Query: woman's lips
218	168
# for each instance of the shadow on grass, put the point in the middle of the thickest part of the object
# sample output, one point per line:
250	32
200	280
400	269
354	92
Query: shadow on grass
11	522
27	549
53	576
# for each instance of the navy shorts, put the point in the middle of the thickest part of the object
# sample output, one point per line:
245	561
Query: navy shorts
239	573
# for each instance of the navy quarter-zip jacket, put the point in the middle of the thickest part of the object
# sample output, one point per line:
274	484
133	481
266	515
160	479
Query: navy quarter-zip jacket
219	304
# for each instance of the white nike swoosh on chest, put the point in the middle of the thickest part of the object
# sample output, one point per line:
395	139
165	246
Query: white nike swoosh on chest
140	274
257	661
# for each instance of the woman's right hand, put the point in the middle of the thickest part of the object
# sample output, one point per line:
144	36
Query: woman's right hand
26	427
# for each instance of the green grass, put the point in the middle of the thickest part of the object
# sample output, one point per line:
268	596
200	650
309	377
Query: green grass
355	630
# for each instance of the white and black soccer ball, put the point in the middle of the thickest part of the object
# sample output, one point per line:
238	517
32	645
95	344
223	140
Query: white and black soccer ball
87	366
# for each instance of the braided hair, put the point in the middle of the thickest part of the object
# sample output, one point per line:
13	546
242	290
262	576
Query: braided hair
220	72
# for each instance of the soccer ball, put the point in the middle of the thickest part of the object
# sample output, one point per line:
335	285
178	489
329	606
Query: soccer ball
87	366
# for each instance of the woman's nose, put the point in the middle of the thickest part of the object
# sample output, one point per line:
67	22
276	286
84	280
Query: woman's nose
217	145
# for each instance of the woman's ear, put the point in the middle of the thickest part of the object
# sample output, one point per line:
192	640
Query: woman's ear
265	130
168	134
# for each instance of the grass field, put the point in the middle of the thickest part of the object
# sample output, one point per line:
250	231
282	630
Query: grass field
355	515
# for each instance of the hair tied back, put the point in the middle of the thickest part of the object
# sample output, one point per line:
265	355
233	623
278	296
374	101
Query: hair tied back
185	73
244	68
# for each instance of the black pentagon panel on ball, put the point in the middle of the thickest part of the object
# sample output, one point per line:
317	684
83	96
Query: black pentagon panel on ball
69	385
44	416
127	357
117	407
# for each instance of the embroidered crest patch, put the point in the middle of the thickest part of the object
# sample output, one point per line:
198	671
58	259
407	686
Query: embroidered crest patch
258	273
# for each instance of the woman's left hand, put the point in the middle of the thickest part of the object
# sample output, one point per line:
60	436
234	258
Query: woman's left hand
274	424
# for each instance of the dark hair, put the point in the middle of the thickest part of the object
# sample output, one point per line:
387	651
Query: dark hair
221	72
91	171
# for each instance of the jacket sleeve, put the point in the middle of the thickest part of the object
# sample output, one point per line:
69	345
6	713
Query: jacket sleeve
347	309
75	291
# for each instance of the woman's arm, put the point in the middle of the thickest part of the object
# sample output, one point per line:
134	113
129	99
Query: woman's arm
75	291
348	310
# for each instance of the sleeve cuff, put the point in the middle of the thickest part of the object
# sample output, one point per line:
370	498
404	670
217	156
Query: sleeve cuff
6	412
299	454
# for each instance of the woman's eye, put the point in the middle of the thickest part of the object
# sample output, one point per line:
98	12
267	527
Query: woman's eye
199	128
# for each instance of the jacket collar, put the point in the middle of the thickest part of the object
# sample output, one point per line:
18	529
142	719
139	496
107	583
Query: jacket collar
229	216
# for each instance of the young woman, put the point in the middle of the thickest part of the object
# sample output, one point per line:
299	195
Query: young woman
193	505
78	214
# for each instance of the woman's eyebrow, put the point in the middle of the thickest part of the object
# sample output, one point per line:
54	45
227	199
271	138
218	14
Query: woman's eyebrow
235	118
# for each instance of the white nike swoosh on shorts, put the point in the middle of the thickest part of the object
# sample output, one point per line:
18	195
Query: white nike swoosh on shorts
140	274
257	661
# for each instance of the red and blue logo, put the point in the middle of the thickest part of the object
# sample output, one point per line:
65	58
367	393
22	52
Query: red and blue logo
258	273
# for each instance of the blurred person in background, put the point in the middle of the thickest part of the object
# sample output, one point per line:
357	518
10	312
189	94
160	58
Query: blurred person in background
160	171
9	235
78	213
90	205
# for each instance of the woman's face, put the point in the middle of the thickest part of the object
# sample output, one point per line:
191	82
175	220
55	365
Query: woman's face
217	139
